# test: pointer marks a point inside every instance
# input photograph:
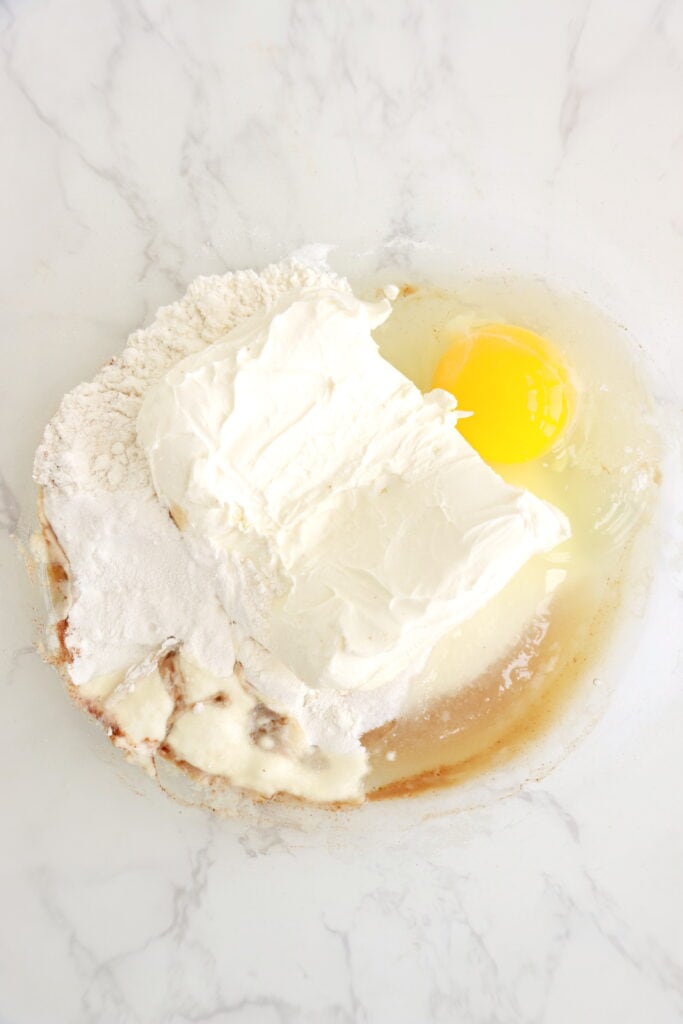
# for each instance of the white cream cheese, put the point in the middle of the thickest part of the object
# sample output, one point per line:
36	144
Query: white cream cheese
334	526
353	525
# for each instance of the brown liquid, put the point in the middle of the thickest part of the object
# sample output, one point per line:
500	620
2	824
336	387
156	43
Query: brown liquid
488	723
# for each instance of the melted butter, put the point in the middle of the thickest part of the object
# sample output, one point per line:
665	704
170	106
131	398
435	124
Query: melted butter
508	674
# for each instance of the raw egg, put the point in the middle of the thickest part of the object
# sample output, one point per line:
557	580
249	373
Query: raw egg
512	672
516	387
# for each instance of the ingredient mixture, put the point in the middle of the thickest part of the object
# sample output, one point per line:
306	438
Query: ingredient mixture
265	542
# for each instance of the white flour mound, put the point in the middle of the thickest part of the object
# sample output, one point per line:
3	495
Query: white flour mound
91	443
137	583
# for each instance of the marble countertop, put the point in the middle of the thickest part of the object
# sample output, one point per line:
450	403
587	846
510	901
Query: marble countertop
147	141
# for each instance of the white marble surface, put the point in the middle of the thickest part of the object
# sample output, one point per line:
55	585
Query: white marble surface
147	141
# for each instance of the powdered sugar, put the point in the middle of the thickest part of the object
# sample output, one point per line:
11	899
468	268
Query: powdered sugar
137	585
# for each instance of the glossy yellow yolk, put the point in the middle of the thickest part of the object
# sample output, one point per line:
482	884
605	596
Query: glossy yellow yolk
514	383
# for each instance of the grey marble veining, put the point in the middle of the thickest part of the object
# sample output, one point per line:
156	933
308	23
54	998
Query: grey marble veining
147	141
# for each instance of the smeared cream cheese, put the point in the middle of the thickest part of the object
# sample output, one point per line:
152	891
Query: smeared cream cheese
328	525
353	526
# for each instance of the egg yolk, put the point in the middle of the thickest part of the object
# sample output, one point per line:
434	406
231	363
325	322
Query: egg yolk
516	387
